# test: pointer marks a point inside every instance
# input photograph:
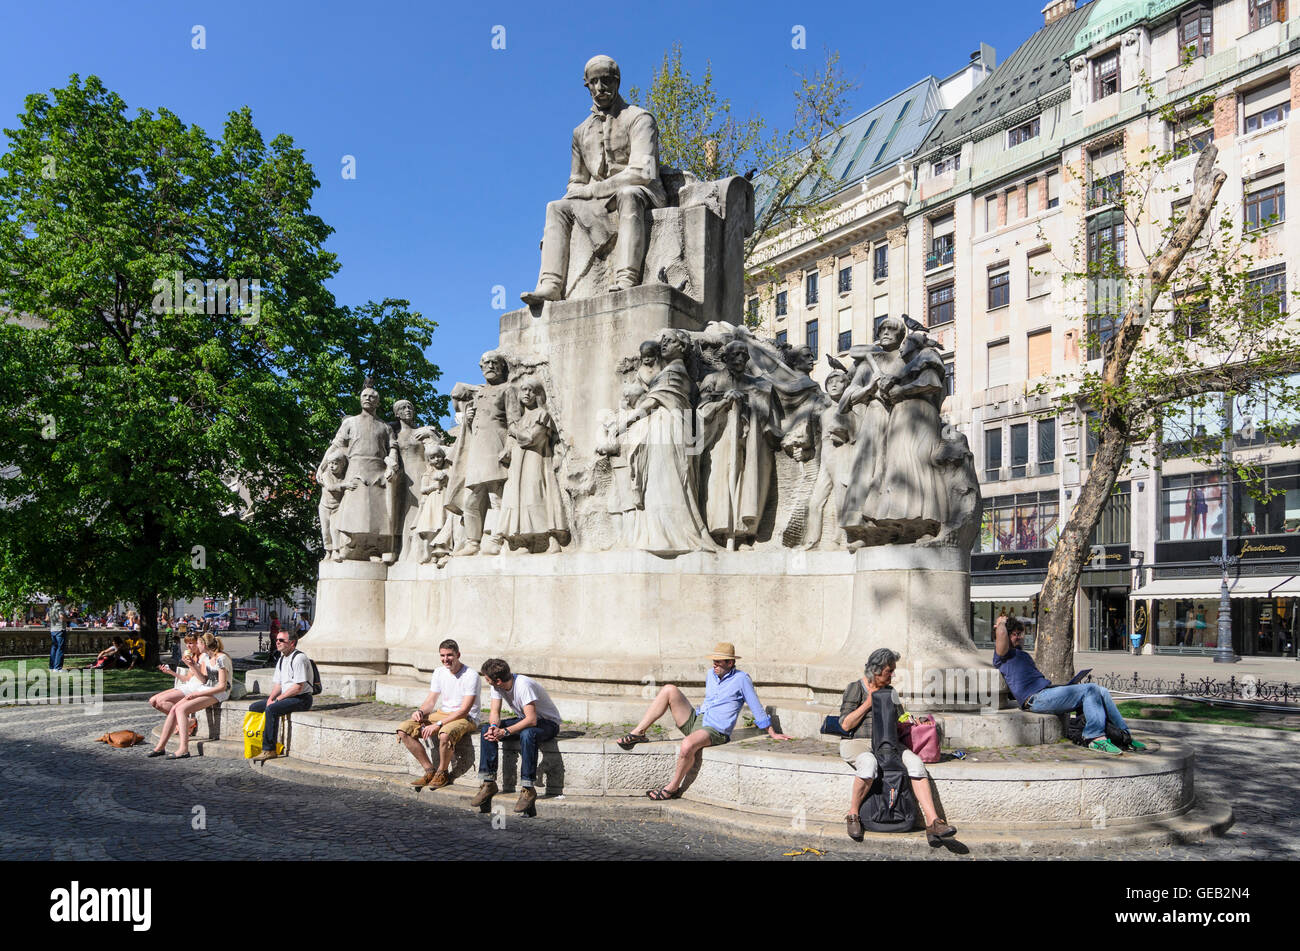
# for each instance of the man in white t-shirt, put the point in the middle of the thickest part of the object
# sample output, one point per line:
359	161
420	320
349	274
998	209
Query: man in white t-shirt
454	694
536	720
291	691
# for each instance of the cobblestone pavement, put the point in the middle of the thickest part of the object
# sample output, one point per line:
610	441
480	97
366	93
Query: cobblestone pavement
68	797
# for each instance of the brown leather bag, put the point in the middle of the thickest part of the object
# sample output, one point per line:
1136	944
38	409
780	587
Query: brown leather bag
121	739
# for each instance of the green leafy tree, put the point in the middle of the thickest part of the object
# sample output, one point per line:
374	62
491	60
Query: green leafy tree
1180	327
699	132
159	444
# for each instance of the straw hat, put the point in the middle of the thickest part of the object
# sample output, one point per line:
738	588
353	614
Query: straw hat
723	650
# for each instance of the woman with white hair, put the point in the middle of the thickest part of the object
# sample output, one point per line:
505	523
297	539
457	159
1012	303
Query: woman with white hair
855	719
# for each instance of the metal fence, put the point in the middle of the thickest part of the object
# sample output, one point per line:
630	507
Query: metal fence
1244	688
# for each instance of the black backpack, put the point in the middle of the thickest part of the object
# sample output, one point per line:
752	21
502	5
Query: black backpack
316	687
890	805
1074	732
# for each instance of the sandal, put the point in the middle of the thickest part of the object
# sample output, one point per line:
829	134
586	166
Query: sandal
663	795
178	755
630	740
152	753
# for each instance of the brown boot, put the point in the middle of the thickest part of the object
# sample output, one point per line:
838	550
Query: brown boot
424	780
485	792
265	755
938	829
527	797
439	779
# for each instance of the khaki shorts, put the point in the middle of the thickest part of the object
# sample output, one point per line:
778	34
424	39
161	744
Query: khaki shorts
696	722
454	730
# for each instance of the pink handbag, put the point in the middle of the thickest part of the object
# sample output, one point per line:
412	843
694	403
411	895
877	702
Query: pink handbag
921	736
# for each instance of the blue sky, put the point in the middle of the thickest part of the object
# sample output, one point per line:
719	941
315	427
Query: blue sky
459	146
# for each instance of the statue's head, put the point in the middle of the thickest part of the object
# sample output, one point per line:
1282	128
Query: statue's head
405	411
631	394
735	356
435	453
801	359
673	344
837	381
649	353
369	397
601	77
890	333
531	391
493	365
337	463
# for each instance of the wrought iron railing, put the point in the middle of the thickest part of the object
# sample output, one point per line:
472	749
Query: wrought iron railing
1247	688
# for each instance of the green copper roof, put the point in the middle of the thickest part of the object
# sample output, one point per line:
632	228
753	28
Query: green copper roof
1110	17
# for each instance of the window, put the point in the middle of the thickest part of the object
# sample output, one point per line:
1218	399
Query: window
1039	362
893	130
857	153
1192	426
1196	32
810	336
947	164
846	280
1266	290
1105	278
1267	105
1023	133
1192	133
1053	189
1264	12
939	305
1027	521
1265	202
941	243
1019	449
1191	506
999	287
1105	76
991	213
1039	274
845	341
1191	315
810	289
752	310
999	362
780	303
992	452
1046	446
1279	514
1267	413
1106	177
880	262
949	376
1091	420
1113	526
781	337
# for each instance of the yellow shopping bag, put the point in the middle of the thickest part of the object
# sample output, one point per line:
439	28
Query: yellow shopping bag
254	723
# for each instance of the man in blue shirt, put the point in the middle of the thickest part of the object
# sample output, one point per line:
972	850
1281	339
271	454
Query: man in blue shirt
1035	693
726	689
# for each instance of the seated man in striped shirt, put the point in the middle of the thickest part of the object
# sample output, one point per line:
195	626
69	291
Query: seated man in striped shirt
726	689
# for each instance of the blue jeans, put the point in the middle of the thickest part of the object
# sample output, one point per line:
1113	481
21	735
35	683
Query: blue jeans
58	644
1098	707
298	703
529	739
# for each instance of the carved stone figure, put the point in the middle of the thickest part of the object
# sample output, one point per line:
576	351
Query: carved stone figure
434	525
479	474
622	498
965	507
532	506
331	478
667	520
738	428
406	486
838	431
363	519
613	184
896	493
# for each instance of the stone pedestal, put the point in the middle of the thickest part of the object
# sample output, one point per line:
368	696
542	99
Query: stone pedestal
582	341
350	613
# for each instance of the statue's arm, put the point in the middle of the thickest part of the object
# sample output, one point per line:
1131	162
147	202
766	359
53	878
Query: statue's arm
642	162
579	175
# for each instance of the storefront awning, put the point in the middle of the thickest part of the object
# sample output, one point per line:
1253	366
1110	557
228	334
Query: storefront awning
1259	586
1005	592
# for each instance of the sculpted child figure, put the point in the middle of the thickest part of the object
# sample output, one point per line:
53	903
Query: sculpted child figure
837	433
532	509
332	487
433	525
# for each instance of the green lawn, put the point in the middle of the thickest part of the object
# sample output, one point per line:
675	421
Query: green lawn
115	681
1202	713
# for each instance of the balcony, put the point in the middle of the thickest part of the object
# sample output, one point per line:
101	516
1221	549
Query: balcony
941	255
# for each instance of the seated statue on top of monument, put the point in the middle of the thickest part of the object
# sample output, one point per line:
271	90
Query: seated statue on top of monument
605	234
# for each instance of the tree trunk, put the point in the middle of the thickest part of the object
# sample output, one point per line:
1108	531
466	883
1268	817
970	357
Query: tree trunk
1054	650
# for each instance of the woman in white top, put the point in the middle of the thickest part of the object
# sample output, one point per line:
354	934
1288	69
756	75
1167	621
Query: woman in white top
187	679
212	688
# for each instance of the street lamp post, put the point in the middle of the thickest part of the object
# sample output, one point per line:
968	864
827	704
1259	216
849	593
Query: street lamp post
1223	653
